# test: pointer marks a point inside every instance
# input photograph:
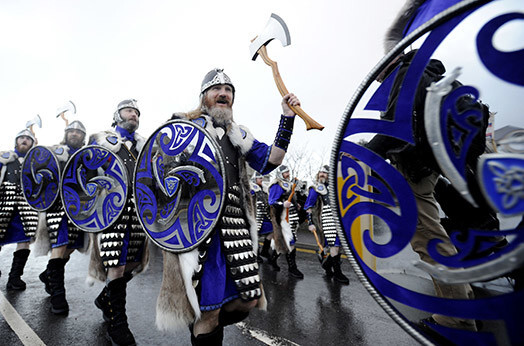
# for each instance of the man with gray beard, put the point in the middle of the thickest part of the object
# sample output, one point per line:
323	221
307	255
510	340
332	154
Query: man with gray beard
228	284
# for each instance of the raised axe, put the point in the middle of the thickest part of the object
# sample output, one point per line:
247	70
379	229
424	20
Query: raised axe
68	107
35	121
276	28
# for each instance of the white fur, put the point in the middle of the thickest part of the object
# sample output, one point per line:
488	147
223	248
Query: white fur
41	246
286	230
238	140
253	231
4	161
189	264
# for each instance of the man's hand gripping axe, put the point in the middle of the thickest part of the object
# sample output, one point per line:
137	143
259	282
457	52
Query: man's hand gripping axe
276	28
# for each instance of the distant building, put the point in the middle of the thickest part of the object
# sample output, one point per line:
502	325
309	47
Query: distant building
510	139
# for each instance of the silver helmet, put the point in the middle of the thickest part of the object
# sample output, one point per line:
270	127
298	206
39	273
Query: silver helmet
324	169
214	77
25	132
280	172
76	125
129	103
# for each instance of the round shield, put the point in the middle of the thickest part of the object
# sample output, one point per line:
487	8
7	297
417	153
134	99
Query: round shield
429	188
40	178
179	186
94	188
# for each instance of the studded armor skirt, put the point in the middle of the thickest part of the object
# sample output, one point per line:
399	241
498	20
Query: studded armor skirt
61	230
229	264
18	221
329	227
123	242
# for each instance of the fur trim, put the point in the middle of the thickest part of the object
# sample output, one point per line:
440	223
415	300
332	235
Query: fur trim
64	156
241	138
262	301
42	244
96	270
100	139
7	157
177	306
140	142
280	240
395	32
10	156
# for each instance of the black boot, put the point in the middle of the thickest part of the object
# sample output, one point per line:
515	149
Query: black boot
273	260
45	280
213	338
292	265
328	266
226	318
17	270
265	249
55	277
338	271
102	299
118	330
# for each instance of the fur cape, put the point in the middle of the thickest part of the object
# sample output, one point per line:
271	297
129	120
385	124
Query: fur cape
394	34
177	303
282	233
42	244
96	270
5	158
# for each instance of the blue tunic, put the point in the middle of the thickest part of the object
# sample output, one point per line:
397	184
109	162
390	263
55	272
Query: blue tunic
216	285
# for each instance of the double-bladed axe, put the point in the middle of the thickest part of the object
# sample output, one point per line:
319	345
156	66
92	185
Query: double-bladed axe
276	28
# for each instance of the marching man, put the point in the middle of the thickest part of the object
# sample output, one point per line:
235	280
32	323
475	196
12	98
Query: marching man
284	215
228	284
320	217
18	221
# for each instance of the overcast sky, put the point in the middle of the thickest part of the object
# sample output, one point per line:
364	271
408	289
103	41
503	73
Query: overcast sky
97	53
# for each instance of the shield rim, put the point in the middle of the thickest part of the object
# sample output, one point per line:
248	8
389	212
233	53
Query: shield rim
439	19
59	177
220	160
119	160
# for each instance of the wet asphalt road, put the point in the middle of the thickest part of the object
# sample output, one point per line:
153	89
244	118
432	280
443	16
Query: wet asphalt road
312	311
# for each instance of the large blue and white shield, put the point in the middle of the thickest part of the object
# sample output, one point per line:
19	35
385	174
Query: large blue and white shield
40	178
465	134
94	188
179	186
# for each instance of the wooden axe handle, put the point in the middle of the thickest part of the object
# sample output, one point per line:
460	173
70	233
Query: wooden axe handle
289	199
310	122
318	241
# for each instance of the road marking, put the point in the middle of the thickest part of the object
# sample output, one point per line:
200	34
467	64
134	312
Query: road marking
264	336
26	335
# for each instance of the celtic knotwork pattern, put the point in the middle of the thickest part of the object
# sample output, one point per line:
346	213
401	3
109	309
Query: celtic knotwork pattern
503	182
460	126
179	188
401	218
40	178
94	188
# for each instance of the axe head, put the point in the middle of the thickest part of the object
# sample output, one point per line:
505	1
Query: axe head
68	107
35	121
275	28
